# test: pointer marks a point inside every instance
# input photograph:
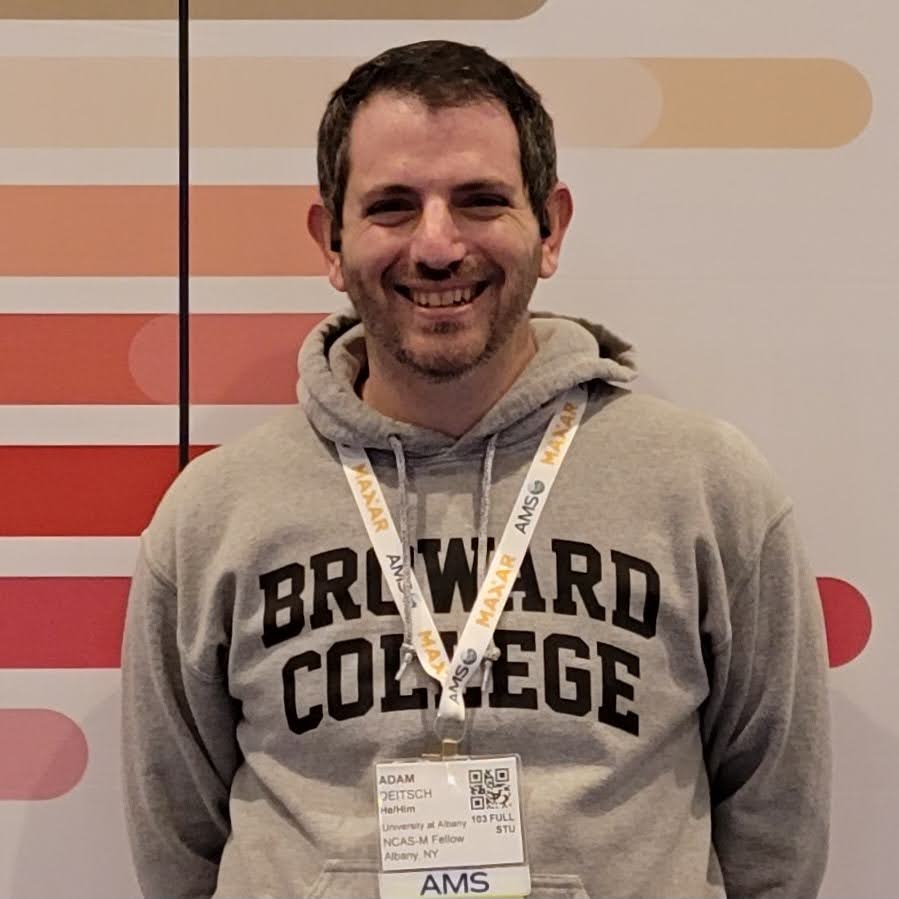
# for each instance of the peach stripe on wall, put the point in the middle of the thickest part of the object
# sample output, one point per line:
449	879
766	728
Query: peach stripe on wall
89	9
43	754
133	359
270	9
114	230
277	101
759	103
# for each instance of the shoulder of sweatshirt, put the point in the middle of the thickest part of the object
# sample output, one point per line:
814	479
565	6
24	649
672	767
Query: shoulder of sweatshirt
707	464
197	505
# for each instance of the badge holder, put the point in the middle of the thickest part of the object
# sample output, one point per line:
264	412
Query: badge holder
450	825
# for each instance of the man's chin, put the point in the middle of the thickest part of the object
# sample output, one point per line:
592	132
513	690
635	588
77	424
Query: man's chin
440	368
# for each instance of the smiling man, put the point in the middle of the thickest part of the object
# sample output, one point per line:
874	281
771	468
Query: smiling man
470	539
435	238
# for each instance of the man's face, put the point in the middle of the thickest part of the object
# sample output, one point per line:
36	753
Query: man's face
440	249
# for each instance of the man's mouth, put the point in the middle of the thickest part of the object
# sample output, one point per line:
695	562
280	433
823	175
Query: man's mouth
443	296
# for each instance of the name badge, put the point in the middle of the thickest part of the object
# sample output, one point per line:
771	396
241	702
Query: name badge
451	827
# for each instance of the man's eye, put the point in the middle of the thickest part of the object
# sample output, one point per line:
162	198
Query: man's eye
484	206
388	207
485	200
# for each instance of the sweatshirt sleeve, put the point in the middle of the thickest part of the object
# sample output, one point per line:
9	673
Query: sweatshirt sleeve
179	750
766	728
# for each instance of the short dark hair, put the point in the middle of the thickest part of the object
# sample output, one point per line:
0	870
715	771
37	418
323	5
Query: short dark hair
441	74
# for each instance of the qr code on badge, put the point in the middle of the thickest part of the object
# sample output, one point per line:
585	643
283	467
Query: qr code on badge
489	788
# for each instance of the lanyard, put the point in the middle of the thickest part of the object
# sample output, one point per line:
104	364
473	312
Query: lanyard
454	675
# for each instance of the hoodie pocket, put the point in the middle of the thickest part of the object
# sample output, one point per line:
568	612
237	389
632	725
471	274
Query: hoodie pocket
358	879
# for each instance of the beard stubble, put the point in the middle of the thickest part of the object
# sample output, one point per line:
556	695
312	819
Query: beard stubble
436	365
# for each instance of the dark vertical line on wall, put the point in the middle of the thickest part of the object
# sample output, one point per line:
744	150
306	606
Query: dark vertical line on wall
183	234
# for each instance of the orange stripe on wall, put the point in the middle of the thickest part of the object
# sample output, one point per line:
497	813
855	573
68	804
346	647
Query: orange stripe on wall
133	231
253	231
107	230
128	359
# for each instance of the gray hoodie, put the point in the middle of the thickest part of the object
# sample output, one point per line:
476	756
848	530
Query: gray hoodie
662	671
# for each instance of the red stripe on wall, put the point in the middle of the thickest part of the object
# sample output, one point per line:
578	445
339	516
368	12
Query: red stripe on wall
84	358
62	622
78	622
133	359
82	491
242	359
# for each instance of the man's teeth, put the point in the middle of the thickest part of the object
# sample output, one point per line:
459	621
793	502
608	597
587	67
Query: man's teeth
441	297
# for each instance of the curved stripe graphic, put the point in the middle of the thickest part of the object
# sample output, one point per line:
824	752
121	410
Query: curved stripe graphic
847	619
62	622
239	359
277	101
271	9
116	231
776	103
133	359
82	491
43	754
92	350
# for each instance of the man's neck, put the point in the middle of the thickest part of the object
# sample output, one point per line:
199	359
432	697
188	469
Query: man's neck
450	407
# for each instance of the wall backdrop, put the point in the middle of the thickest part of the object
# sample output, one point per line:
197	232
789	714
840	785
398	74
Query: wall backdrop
737	218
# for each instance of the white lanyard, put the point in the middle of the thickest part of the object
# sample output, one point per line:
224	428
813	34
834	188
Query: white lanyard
494	591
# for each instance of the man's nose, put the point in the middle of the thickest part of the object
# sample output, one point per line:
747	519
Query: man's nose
437	243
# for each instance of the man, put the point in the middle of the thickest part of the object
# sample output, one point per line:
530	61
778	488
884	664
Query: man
659	664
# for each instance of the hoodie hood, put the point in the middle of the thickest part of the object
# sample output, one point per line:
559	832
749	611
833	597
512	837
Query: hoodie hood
569	351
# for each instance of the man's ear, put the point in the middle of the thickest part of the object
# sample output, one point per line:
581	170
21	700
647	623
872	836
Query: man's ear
320	225
559	209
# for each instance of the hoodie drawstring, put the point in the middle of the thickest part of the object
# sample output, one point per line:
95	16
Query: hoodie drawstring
408	648
492	653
